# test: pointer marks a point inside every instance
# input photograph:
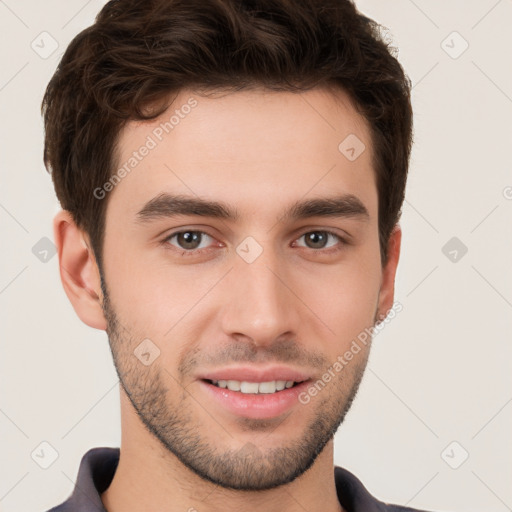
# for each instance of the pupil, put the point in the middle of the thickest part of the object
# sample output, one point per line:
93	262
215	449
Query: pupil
317	236
190	239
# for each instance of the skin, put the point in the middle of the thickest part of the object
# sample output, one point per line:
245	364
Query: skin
296	304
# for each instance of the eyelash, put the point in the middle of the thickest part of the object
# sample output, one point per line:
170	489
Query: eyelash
195	252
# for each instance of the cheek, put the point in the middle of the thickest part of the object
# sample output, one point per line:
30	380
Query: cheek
346	296
157	300
142	289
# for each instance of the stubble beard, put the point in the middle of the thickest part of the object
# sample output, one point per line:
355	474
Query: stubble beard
178	427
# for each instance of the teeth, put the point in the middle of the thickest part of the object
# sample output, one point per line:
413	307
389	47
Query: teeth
234	385
254	387
267	387
249	387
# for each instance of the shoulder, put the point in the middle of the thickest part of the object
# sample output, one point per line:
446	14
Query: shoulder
95	473
354	496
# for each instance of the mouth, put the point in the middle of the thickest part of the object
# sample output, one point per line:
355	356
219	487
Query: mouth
256	400
254	388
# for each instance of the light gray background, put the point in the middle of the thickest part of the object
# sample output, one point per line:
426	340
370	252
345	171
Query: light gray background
439	372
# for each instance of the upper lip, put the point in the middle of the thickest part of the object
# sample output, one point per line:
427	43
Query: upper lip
253	374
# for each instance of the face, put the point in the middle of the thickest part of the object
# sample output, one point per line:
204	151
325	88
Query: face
271	284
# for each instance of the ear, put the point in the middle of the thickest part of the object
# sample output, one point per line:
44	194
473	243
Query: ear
79	272
387	289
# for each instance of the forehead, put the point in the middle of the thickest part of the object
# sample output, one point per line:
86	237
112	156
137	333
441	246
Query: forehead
252	146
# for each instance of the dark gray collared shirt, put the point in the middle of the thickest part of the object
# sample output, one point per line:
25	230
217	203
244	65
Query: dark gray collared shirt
98	466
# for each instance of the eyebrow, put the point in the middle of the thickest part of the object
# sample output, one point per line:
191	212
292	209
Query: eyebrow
166	205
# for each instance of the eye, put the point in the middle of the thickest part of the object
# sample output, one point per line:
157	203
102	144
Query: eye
188	240
191	242
319	239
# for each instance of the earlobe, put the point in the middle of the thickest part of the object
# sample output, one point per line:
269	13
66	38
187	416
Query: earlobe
387	290
79	272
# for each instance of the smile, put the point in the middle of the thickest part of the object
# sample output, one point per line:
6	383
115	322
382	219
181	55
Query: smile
254	387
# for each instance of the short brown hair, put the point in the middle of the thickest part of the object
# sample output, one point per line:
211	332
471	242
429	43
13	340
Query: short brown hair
138	52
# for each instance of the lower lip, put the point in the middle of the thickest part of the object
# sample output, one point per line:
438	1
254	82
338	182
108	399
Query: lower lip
252	405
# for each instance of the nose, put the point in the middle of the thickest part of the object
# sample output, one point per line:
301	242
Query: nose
260	303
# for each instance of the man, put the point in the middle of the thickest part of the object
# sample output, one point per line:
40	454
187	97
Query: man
231	175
